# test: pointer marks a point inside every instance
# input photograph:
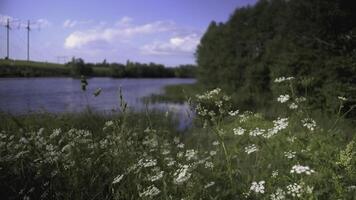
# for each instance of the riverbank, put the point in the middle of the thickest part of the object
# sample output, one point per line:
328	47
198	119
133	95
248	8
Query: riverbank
76	68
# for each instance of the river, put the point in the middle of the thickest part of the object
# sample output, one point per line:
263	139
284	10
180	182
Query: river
58	95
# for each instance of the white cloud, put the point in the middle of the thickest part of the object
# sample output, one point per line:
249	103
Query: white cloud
176	45
79	39
69	23
73	23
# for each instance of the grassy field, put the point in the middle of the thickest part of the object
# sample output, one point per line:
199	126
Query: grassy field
227	154
20	68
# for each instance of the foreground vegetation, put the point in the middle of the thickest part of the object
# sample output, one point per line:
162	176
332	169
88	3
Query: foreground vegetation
228	154
77	67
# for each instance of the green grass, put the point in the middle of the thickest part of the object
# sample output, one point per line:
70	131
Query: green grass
142	156
21	68
175	93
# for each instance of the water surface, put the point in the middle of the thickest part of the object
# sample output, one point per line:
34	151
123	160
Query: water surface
57	95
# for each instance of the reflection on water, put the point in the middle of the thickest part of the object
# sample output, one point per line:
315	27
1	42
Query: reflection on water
56	95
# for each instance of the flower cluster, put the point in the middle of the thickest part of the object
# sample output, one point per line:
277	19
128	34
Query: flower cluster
250	149
299	169
309	123
258	187
238	131
283	98
282	79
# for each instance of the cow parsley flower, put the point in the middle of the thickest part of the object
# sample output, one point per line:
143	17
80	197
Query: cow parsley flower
118	179
256	132
250	149
150	192
278	195
191	154
212	153
283	98
209	164
289	154
293	106
258	187
215	143
309	123
299	169
295	190
180	145
274	173
342	98
182	175
234	113
157	176
239	131
208	185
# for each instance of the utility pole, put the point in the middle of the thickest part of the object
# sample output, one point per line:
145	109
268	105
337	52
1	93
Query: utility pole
28	40
8	39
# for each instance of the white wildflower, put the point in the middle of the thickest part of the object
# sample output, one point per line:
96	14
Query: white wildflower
239	131
147	162
212	153
209	164
289	154
150	192
182	175
157	176
151	142
55	133
250	149
274	173
283	98
215	143
293	106
118	179
176	140
278	195
256	132
295	190
258	187
291	139
300	99
180	154
180	145
299	169
309	123
342	98
233	113
165	152
282	79
191	154
208	185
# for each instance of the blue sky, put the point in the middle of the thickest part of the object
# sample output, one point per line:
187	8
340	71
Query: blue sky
161	31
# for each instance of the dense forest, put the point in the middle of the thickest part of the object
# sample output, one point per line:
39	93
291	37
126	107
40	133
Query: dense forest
130	69
311	40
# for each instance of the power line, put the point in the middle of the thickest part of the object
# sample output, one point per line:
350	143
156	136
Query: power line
28	40
8	38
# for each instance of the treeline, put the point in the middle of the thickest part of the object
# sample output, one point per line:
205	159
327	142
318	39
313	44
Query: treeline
130	69
311	40
77	67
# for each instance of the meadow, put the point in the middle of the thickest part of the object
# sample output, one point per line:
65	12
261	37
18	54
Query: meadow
226	154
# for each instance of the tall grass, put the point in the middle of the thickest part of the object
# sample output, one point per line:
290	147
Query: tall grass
228	154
